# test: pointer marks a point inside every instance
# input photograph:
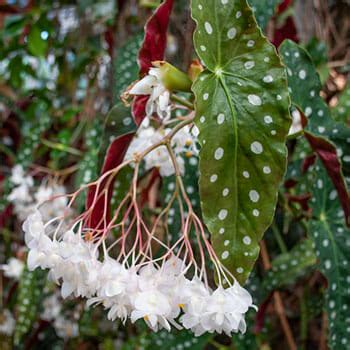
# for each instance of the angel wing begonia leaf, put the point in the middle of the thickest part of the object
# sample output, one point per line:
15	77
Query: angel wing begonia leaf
332	241
287	267
264	10
305	87
242	114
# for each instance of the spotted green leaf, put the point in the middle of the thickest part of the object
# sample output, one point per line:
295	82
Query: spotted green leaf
171	341
304	84
88	166
287	267
35	123
118	122
264	10
332	241
242	108
341	112
37	46
126	68
31	287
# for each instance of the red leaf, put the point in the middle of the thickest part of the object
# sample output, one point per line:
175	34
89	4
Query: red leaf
138	108
328	154
154	43
261	314
288	29
303	200
152	49
308	161
283	6
114	157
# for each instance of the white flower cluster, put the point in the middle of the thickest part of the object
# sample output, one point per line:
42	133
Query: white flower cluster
25	197
183	144
161	295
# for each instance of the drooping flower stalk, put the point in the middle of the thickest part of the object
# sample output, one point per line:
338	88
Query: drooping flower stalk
123	263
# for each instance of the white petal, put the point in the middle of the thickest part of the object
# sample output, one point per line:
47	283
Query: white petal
67	289
144	86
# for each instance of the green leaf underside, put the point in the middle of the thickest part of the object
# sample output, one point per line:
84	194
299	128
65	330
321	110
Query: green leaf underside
264	10
332	241
242	113
305	87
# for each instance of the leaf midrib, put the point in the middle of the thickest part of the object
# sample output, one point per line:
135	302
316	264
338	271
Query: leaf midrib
235	136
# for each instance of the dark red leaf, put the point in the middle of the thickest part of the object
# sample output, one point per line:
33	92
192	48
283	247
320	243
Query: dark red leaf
261	314
308	161
154	43
328	155
114	157
302	200
5	215
288	28
284	5
287	31
138	108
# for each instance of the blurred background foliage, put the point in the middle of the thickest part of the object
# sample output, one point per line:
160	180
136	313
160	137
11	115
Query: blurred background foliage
63	66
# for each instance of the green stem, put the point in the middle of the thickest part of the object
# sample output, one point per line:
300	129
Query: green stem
62	147
8	152
279	238
182	101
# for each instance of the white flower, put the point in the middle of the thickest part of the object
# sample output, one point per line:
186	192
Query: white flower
51	200
159	158
159	100
195	299
18	176
33	227
26	197
223	314
20	194
113	278
13	268
154	308
296	123
7	322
